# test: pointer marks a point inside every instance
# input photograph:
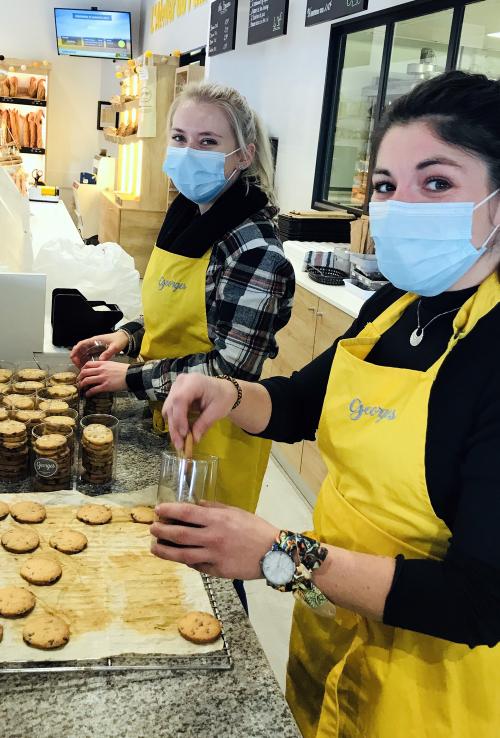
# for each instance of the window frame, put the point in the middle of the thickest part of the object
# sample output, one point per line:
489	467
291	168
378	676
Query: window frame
335	64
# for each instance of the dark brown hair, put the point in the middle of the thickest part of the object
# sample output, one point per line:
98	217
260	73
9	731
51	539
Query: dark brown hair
462	109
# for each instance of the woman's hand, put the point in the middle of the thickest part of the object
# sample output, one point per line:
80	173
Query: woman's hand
213	397
102	376
228	542
114	342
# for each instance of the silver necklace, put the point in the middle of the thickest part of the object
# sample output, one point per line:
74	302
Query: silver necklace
417	336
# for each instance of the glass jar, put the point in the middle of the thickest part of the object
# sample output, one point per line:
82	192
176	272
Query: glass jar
7	371
13	451
52	459
98	449
101	404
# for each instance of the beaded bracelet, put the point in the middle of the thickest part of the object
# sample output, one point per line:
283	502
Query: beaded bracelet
235	384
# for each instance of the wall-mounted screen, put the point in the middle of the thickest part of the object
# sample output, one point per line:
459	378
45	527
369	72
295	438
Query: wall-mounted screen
98	33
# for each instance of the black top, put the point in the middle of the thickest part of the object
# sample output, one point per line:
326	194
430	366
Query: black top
458	598
188	233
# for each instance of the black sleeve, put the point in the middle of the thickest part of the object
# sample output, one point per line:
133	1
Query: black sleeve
297	401
459	598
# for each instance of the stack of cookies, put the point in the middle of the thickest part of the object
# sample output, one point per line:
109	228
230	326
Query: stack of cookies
66	377
51	462
30	418
97	454
66	392
53	407
31	374
101	404
27	387
15	401
13	450
6	375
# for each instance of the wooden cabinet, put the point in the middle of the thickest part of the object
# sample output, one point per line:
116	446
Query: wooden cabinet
135	230
296	345
313	327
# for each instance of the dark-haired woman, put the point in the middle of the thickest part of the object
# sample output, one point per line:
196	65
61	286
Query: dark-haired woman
407	406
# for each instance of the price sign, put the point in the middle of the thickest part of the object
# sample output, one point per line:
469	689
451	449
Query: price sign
319	11
267	19
222	37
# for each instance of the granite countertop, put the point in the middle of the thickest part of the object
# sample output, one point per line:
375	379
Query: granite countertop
244	701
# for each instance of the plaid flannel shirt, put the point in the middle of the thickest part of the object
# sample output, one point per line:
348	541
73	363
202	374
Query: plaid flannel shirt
249	294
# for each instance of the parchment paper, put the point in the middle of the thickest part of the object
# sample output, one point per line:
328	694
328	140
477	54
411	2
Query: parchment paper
116	596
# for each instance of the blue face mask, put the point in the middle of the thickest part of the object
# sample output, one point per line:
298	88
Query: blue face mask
198	174
425	247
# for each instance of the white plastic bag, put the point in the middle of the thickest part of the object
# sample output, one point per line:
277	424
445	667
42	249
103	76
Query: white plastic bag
103	272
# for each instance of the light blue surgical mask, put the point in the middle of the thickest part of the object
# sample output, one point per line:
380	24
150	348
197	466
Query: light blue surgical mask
198	174
425	247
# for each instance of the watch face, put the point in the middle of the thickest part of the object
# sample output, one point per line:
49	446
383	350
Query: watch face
278	568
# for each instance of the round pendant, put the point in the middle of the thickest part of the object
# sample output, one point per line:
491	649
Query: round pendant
416	337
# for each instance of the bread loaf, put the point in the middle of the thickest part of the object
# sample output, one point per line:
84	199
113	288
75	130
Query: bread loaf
14	84
39	129
14	125
25	139
40	90
32	87
4	117
5	87
32	129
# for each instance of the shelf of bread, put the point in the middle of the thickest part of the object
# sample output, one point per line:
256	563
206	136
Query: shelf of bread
24	109
22	101
111	135
122	107
26	131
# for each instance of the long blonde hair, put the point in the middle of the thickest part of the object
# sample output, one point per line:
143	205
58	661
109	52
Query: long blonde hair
246	127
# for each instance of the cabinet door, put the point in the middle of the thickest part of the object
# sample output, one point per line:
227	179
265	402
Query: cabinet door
295	341
330	324
312	468
109	221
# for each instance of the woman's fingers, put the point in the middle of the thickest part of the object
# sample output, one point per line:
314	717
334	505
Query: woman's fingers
192	557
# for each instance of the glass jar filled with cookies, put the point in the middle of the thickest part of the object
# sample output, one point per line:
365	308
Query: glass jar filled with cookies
102	403
65	373
13	401
13	449
98	449
63	392
52	461
30	371
7	371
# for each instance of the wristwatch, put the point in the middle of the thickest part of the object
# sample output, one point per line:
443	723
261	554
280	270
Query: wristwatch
278	568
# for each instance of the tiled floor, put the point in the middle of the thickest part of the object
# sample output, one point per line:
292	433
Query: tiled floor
271	612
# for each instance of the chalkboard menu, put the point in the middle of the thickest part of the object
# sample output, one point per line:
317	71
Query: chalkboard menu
222	26
318	11
267	19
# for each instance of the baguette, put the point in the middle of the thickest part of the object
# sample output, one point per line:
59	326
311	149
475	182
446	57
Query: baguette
32	87
14	84
39	129
5	87
4	117
14	125
26	131
32	130
40	90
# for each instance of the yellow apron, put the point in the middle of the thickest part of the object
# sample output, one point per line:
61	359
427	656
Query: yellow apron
352	677
175	322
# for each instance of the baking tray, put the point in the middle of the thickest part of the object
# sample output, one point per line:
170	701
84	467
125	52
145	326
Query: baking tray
215	661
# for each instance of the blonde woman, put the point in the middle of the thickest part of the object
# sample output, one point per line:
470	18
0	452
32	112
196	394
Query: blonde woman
218	287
